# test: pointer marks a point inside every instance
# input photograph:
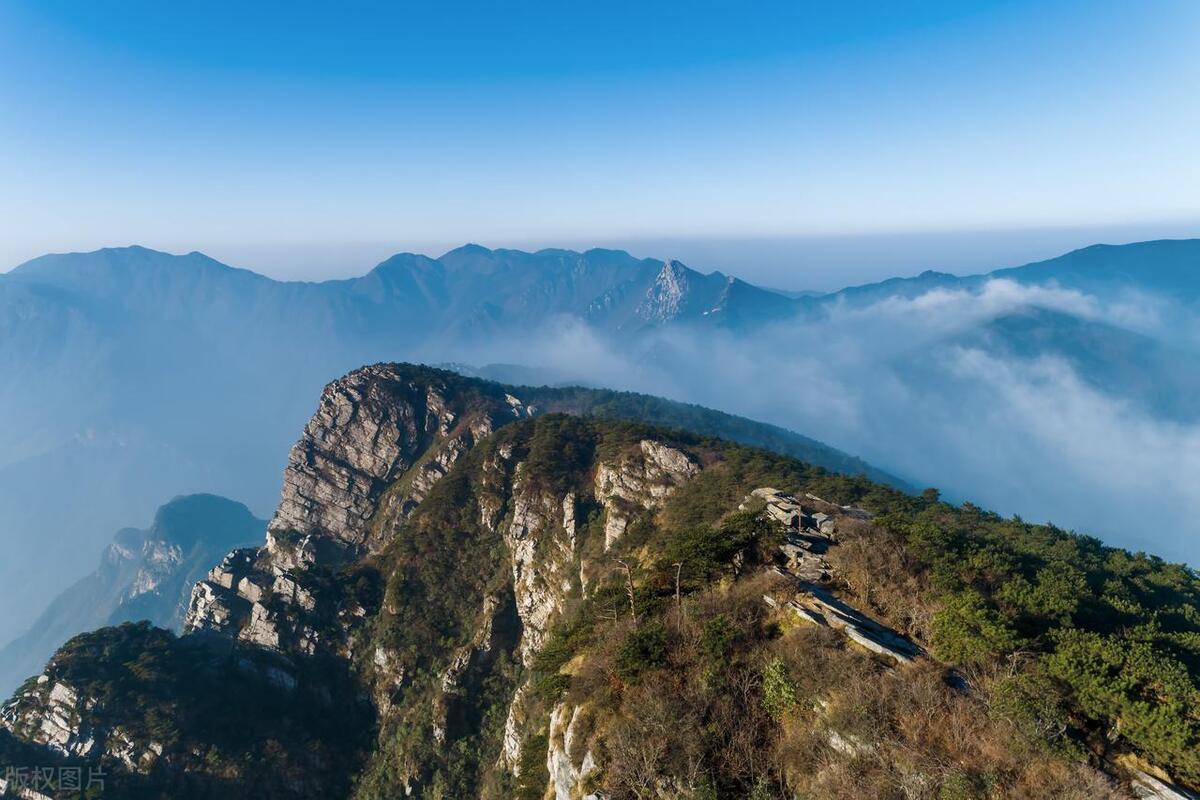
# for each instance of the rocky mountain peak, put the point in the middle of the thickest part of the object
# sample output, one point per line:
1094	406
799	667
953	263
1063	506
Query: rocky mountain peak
380	439
666	297
370	428
563	607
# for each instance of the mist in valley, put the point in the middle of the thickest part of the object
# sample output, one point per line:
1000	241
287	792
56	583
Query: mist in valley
917	386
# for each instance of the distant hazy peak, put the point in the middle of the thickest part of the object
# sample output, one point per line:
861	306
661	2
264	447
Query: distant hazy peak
406	261
113	255
143	574
1166	264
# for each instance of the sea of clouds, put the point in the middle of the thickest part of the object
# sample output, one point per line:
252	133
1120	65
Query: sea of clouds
901	383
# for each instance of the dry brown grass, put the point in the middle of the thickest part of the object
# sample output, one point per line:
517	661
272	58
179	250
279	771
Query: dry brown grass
872	565
911	736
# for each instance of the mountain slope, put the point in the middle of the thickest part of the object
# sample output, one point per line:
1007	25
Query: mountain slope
564	606
193	376
143	575
1166	267
1147	373
706	422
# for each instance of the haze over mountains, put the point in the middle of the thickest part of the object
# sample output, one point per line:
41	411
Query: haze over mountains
128	376
143	575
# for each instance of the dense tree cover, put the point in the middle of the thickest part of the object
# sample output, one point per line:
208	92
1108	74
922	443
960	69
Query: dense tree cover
1110	638
213	711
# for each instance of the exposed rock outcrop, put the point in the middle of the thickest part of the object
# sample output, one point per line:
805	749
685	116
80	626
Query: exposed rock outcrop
569	760
369	429
808	534
1147	787
378	442
49	714
666	298
639	482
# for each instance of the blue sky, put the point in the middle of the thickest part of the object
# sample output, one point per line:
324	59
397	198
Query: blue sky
309	139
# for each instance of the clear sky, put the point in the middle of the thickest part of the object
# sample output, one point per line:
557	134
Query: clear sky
309	139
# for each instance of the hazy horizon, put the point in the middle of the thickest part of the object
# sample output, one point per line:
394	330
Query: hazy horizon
812	263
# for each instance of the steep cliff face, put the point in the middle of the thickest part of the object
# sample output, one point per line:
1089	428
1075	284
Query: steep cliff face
533	513
379	440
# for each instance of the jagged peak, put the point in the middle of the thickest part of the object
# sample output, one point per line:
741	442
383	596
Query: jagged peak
666	297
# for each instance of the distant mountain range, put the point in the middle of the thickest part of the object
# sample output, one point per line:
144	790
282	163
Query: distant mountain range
128	375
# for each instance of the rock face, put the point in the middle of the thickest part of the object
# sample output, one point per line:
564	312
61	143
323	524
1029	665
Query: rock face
639	482
369	429
541	544
377	446
49	714
380	439
1148	787
808	533
666	299
569	760
380	443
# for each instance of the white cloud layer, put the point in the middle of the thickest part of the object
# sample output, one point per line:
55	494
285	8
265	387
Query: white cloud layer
893	383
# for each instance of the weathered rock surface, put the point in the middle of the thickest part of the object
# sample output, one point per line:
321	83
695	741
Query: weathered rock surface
666	298
1147	787
542	552
378	442
809	533
569	760
639	482
52	714
369	429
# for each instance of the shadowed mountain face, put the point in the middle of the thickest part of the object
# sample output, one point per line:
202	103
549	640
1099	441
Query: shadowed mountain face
1168	266
128	375
143	575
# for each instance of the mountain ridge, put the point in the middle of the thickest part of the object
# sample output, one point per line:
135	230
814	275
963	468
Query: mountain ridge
468	255
573	607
